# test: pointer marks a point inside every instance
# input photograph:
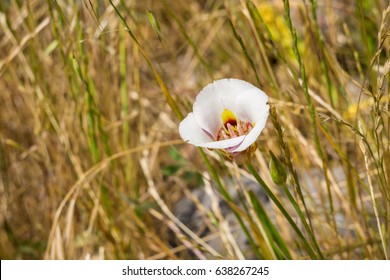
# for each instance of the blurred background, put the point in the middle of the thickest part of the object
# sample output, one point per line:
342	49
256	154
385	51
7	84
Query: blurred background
91	95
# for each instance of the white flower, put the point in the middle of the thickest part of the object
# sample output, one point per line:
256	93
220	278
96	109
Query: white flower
228	114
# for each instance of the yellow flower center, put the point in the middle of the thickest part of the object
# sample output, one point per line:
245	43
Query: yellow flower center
228	117
232	127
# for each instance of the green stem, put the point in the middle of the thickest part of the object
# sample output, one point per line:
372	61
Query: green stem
283	211
301	215
312	110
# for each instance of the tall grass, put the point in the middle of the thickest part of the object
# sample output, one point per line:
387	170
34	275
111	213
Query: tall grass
91	162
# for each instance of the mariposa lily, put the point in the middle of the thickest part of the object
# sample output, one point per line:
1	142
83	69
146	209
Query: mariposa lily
229	115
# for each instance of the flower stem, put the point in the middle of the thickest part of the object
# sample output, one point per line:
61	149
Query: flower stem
302	217
283	211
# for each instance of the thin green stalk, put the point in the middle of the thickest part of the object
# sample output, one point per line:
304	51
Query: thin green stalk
254	12
124	101
123	88
283	211
189	39
312	110
278	244
308	229
297	185
257	20
244	50
367	46
321	47
157	76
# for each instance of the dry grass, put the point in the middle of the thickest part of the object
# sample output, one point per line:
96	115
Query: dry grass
91	162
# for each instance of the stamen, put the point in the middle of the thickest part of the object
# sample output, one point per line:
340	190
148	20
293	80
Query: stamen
239	129
232	133
231	127
224	135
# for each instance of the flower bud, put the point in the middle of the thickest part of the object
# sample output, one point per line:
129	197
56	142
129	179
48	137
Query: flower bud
276	168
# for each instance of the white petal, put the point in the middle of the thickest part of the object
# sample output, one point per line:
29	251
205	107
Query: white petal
230	90
216	97
191	132
224	144
252	106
